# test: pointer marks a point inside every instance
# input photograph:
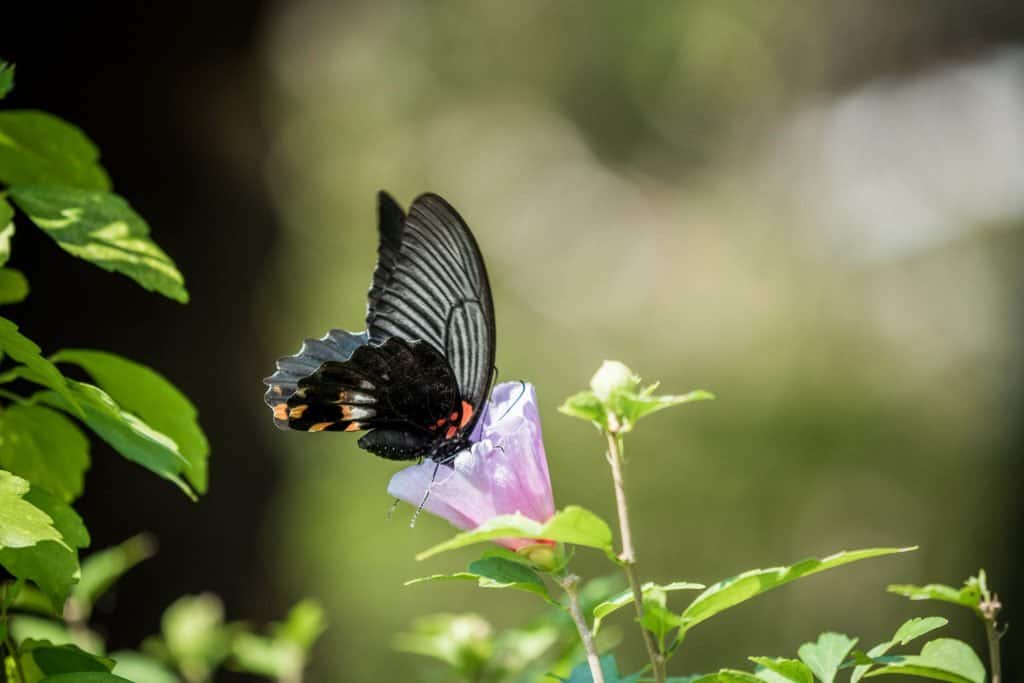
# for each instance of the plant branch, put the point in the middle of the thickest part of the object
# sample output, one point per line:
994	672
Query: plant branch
628	554
569	584
990	613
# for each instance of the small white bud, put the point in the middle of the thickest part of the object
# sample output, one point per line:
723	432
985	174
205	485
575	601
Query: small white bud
612	376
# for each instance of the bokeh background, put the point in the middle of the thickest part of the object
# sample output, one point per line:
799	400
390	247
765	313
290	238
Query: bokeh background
815	210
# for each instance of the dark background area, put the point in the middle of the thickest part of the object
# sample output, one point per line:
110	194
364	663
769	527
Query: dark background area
173	95
168	92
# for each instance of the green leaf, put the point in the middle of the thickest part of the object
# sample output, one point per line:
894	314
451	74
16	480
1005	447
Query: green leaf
41	371
126	433
39	148
498	572
909	631
100	570
263	656
495	572
195	635
649	590
630	407
609	667
13	285
136	666
92	677
43	446
146	393
6	229
659	621
784	670
103	229
943	659
22	524
6	78
572	525
586	406
826	656
48	659
463	641
51	565
969	595
742	587
303	625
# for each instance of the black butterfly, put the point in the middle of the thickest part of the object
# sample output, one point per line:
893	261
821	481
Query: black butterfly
419	375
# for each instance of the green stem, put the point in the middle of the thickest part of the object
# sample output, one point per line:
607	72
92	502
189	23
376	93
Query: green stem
628	554
992	632
569	584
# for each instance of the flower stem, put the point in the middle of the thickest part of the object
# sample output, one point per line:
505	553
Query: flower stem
990	608
569	584
628	554
993	650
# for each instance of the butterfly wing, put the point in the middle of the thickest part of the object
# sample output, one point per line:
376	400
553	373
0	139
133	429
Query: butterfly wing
404	388
431	285
336	345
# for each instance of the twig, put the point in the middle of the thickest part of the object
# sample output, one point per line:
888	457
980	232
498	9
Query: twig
990	613
569	586
628	554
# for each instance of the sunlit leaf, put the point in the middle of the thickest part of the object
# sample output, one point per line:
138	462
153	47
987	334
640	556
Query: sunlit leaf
969	595
825	656
39	370
52	565
22	524
650	591
586	406
140	668
43	446
782	670
39	148
126	433
572	525
142	391
742	587
943	659
909	631
103	229
631	407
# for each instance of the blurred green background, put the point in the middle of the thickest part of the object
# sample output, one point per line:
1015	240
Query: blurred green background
814	210
723	195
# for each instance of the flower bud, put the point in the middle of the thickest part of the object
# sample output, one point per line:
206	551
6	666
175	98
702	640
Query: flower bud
612	376
545	556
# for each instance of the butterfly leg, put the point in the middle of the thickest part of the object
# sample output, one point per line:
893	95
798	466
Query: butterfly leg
426	495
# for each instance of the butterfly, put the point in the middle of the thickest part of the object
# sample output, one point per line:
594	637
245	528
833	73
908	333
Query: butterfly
420	373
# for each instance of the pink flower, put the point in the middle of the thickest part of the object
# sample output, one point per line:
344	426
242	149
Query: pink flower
505	471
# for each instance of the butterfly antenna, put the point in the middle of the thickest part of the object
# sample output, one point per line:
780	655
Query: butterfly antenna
391	510
426	495
522	391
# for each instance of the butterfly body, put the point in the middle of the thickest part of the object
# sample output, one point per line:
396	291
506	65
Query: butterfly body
419	375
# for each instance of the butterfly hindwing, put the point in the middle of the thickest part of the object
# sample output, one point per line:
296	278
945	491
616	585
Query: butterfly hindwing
431	285
398	386
336	345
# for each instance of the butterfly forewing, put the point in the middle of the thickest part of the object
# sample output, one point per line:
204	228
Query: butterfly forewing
436	290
